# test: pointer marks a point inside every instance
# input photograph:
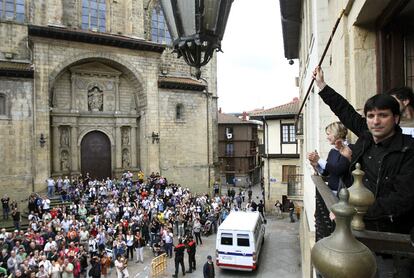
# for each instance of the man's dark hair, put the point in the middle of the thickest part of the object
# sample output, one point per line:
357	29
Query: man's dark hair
403	93
382	101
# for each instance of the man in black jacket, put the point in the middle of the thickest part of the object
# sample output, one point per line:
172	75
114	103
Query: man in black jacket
179	257
385	155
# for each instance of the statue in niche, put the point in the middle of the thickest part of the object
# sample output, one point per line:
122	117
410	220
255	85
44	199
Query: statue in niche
95	99
64	137
64	161
125	137
125	158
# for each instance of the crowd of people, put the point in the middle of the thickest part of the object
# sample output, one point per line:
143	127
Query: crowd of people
101	225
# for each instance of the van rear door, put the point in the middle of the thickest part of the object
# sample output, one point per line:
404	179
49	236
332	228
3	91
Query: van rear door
226	249
244	247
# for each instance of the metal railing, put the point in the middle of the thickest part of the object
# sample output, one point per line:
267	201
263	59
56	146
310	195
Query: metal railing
295	185
382	242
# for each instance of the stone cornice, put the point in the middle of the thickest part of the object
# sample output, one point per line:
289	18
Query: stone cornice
94	38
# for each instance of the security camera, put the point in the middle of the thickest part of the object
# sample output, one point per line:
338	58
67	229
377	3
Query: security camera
291	62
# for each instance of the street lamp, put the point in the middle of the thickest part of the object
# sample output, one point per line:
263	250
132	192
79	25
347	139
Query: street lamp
196	28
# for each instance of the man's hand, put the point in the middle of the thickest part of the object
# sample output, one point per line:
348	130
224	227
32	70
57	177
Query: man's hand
318	76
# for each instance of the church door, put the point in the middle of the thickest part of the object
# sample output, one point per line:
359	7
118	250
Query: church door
96	155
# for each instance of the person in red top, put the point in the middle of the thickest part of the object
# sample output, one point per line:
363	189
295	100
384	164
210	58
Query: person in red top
179	257
191	250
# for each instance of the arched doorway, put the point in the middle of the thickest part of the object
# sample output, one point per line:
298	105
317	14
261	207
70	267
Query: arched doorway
96	155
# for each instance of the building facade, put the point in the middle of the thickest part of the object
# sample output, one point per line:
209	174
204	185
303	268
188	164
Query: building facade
370	53
238	150
280	153
92	86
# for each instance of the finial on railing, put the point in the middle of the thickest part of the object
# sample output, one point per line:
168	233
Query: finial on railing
340	254
360	198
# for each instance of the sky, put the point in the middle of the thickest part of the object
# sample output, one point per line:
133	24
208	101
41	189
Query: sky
253	71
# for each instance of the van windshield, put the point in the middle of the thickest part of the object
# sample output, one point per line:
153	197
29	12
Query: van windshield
226	239
243	240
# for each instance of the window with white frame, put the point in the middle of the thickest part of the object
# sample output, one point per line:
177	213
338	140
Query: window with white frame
12	10
94	15
159	29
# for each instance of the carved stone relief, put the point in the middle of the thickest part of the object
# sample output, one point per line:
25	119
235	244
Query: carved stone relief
64	137
125	136
95	99
125	158
64	161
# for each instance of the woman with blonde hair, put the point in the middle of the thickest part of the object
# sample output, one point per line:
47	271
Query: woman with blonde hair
336	166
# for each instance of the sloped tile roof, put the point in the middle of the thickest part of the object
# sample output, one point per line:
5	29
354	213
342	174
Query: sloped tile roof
291	108
16	69
184	83
230	119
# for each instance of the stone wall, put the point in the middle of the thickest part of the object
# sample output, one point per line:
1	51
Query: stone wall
16	142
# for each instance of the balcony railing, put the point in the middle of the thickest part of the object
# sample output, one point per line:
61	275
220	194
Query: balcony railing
385	243
295	185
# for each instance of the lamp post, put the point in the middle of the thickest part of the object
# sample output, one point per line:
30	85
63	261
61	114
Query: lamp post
196	28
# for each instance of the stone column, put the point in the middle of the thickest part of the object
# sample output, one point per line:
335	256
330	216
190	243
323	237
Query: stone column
118	147
133	143
73	107
55	148
117	95
74	149
54	12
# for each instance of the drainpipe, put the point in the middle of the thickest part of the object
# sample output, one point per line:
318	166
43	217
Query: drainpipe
267	156
33	115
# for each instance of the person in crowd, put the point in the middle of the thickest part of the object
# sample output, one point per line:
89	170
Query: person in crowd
179	250
387	158
208	268
278	207
336	166
191	251
139	244
5	203
405	97
291	211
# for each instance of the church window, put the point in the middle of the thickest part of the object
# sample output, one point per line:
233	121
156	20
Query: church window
159	29
2	104
94	15
179	112
12	10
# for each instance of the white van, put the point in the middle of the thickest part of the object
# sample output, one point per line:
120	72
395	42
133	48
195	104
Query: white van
239	241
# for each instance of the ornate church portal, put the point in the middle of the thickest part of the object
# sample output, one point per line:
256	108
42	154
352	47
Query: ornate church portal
95	120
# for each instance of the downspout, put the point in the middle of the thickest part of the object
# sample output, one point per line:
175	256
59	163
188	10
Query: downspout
33	115
207	132
267	156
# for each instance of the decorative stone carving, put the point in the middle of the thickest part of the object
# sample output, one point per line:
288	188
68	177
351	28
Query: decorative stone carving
125	158
95	99
125	136
64	137
64	161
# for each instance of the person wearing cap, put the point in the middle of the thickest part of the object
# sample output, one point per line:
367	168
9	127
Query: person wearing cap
208	269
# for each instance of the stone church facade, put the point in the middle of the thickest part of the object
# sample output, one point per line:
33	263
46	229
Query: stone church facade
91	86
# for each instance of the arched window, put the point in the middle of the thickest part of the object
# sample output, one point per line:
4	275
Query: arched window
12	10
94	15
159	29
2	104
179	112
